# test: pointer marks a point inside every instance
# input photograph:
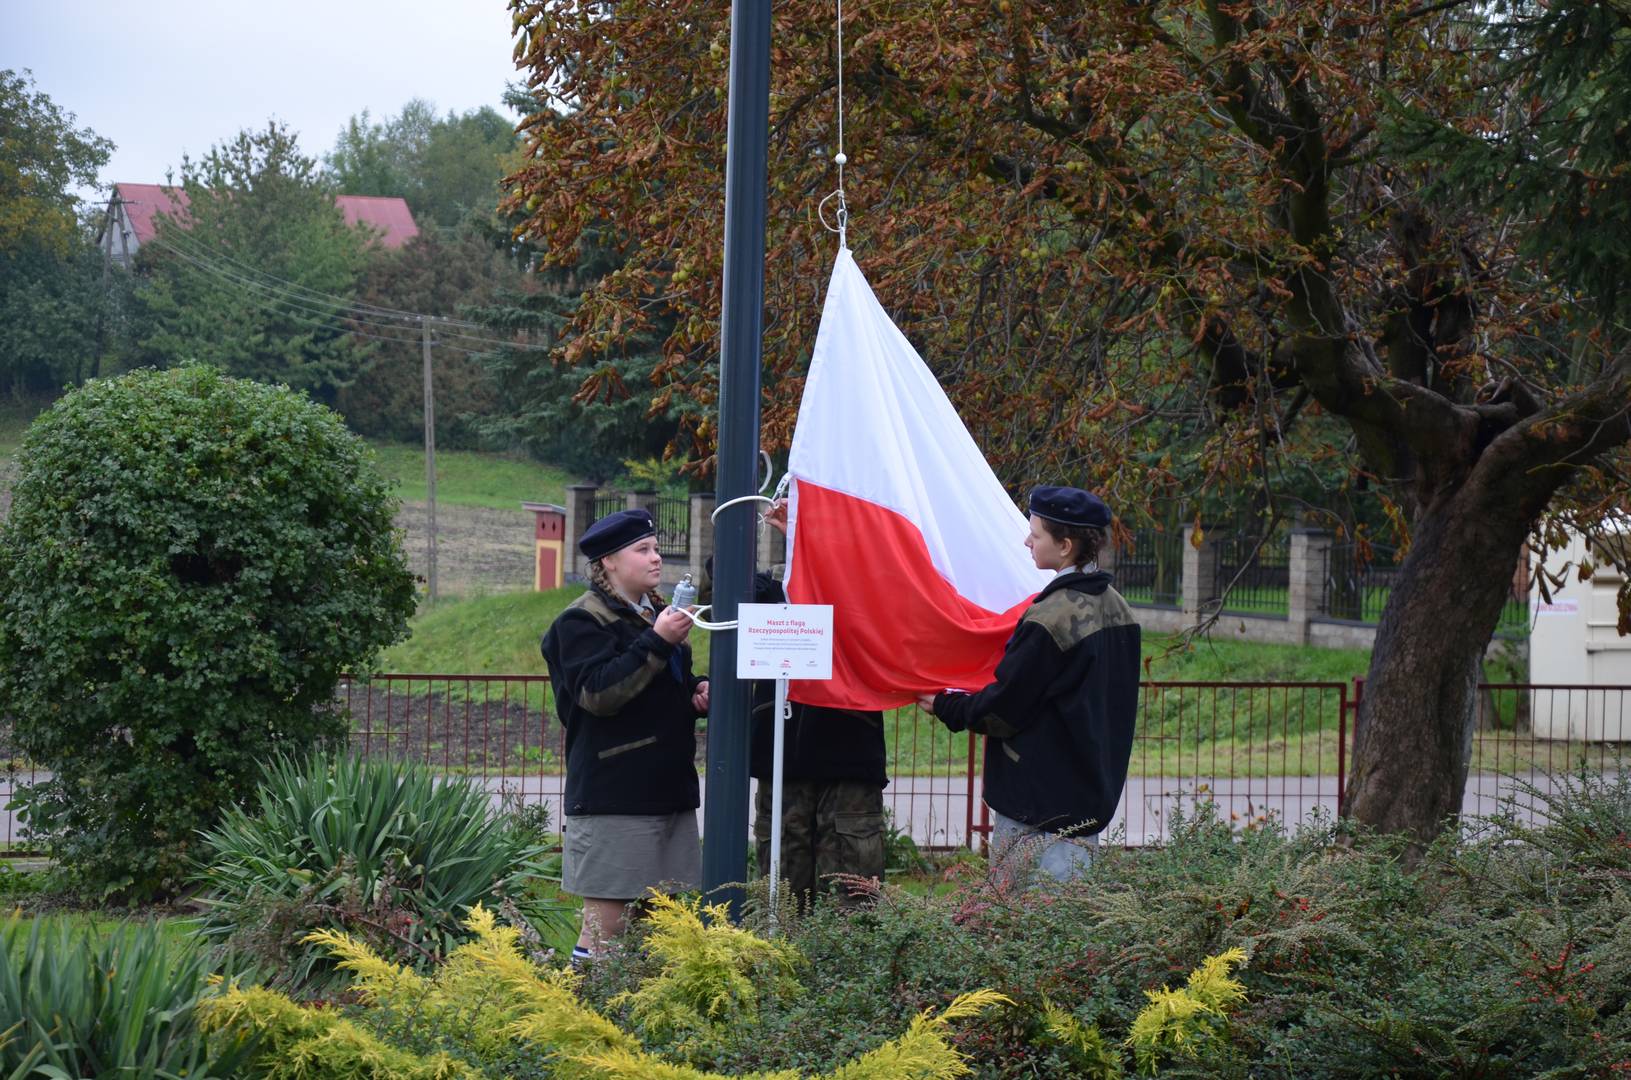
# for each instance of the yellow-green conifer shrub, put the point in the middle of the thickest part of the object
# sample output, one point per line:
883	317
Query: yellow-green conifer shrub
711	970
494	998
1182	1022
923	1053
488	993
292	1043
1090	1053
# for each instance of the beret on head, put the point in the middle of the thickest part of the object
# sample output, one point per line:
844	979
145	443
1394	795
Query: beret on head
1070	506
614	532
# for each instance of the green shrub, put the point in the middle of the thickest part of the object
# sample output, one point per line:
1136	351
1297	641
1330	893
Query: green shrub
189	564
16	884
532	818
900	851
381	849
1507	953
76	1003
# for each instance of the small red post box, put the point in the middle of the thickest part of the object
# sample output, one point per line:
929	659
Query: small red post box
549	541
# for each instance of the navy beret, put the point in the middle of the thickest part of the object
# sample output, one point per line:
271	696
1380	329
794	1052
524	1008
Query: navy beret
614	532
1070	506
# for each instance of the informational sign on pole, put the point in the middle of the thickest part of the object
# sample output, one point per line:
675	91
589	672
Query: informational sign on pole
784	641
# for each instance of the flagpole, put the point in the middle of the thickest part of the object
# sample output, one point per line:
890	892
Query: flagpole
741	328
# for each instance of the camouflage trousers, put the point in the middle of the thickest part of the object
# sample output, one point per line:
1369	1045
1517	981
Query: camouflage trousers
828	827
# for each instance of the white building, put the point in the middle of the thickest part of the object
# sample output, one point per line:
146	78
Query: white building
1575	643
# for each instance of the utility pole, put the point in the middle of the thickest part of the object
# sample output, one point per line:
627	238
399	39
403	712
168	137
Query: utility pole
741	332
111	222
430	462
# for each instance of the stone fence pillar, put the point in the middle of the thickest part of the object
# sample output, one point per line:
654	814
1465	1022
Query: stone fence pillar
1200	575
702	531
580	514
1310	550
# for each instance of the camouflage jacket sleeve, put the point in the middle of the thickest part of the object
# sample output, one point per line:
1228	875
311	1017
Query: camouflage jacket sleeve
1009	705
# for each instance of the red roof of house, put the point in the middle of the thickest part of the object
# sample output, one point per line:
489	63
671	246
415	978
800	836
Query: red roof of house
387	214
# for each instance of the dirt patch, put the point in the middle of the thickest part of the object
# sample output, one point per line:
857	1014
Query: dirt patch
478	549
461	730
454	729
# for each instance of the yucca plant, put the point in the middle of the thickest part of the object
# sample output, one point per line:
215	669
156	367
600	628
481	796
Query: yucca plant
384	850
76	1003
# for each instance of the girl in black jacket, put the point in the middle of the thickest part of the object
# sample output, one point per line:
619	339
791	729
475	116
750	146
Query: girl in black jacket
624	690
1058	720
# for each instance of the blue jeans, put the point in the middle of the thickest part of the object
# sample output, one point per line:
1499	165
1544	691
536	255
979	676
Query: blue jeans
1017	849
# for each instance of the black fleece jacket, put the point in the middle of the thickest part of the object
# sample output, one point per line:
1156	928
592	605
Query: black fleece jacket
1059	719
624	696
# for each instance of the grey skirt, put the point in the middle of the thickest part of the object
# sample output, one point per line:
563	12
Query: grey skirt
621	856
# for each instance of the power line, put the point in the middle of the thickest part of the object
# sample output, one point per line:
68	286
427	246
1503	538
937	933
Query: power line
305	296
387	312
271	305
332	306
335	311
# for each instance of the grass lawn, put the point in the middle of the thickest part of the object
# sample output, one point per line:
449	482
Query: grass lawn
468	478
1187	731
14	420
499	634
463	477
1254	730
496	634
177	930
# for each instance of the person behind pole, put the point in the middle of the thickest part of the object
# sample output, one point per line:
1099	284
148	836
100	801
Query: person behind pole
1058	720
625	693
834	770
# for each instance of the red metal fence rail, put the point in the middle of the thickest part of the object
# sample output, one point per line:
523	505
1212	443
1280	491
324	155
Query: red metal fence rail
1260	751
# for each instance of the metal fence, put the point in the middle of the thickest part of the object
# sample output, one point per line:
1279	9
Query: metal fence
16	773
673	517
1260	751
1358	578
672	514
1256	574
1151	571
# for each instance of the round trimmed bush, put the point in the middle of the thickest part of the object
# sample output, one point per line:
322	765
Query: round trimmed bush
190	563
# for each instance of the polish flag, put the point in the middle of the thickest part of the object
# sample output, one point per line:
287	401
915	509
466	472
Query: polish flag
895	519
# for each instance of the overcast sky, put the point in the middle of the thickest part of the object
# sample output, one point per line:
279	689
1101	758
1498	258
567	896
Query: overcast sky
165	77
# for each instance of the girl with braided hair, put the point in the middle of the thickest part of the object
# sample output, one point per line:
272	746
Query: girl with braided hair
620	667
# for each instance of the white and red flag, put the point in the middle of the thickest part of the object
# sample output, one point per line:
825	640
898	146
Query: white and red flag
895	518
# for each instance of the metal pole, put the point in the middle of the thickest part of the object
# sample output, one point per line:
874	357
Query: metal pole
779	718
741	329
102	305
430	464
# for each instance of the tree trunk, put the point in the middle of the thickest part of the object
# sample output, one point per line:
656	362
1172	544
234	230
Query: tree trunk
1413	739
